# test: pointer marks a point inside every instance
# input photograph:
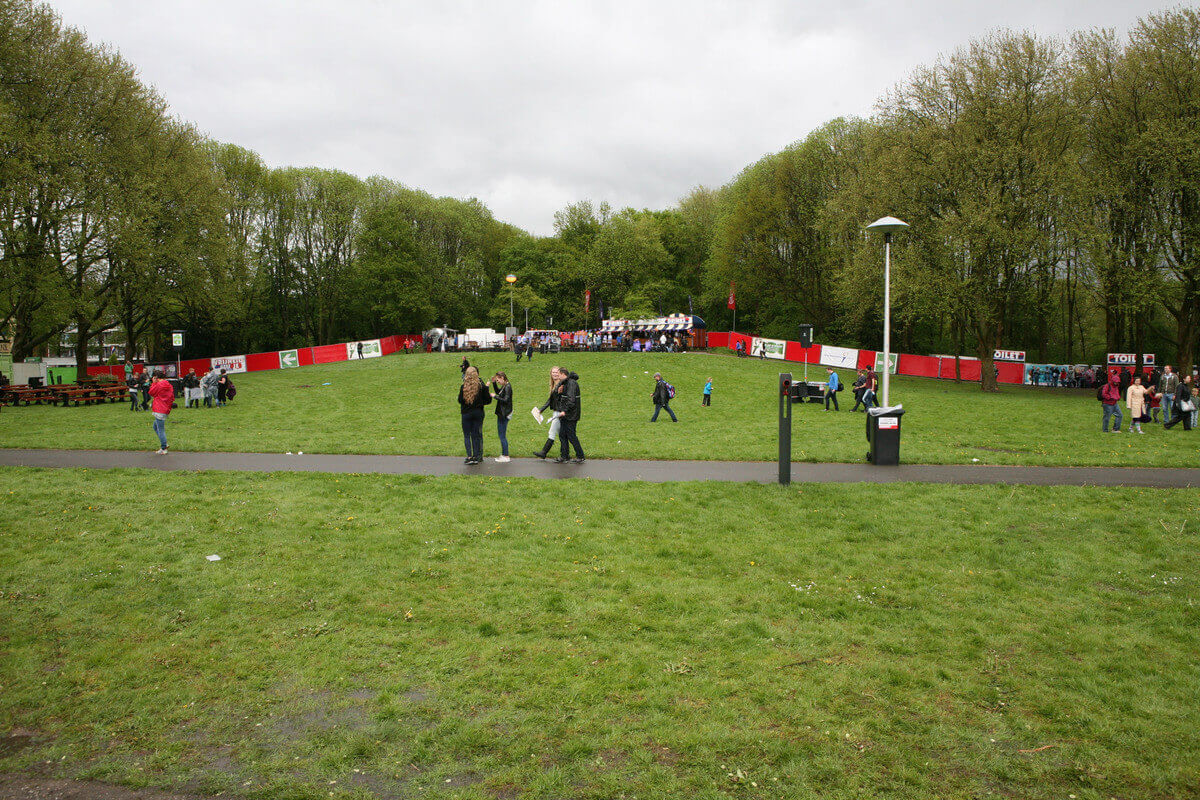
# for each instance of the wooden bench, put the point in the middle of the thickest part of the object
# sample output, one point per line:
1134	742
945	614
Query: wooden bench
30	395
79	395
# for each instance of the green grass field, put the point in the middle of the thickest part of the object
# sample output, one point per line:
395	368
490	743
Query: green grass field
367	636
406	405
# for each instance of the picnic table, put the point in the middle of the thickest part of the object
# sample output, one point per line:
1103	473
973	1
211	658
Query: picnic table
29	395
88	394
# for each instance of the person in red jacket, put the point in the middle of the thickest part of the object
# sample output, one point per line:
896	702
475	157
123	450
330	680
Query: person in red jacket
163	394
1109	395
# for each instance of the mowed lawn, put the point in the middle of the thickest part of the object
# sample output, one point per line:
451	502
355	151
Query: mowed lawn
366	636
406	405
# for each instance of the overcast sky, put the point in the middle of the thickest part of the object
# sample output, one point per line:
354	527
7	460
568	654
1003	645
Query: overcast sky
530	106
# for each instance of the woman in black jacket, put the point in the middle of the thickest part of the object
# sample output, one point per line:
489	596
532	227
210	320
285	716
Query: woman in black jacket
472	397
504	409
552	402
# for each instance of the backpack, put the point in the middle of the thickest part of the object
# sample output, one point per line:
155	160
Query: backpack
1100	392
670	390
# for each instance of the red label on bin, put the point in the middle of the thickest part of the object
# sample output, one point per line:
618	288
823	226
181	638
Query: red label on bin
889	423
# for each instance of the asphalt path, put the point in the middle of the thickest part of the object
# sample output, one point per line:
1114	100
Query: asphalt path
609	470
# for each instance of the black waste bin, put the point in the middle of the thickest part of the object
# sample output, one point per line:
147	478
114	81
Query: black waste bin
883	435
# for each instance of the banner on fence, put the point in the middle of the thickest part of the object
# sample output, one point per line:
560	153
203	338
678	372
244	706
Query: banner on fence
893	360
289	359
769	348
1008	355
230	364
839	357
1129	359
370	349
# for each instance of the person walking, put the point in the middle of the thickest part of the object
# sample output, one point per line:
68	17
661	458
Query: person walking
706	399
1184	406
552	403
1135	401
472	397
164	397
222	389
144	387
209	386
191	388
569	407
868	399
131	383
502	391
832	386
360	350
1110	395
859	388
662	398
1153	401
1168	384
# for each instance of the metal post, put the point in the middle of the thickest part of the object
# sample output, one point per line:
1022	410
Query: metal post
887	314
785	428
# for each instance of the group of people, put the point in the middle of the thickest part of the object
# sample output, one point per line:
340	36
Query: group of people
215	387
564	402
1178	399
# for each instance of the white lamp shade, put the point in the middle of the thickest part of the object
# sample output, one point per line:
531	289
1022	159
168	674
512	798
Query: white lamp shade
887	225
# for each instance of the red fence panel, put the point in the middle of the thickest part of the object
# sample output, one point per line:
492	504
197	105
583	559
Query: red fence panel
260	361
718	339
305	356
201	365
792	351
919	366
329	353
387	345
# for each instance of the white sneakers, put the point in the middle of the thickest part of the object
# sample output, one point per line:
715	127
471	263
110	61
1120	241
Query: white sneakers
502	459
162	452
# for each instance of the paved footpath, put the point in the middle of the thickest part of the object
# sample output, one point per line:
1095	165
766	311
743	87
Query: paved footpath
607	470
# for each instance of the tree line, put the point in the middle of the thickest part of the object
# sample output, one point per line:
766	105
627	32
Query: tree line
1052	188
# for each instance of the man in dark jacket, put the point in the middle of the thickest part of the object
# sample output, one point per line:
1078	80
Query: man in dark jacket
570	404
662	398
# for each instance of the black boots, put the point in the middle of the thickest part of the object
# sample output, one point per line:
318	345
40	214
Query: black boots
546	449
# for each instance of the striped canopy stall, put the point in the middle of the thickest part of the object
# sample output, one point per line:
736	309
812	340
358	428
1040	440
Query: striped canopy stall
680	323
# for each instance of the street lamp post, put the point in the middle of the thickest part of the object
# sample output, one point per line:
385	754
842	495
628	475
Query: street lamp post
511	280
887	226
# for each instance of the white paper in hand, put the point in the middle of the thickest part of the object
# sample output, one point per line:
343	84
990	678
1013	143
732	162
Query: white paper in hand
537	415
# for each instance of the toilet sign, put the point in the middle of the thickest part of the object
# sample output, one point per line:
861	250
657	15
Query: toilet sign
1129	359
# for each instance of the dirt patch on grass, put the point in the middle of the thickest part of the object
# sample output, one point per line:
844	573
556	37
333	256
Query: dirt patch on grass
15	741
33	787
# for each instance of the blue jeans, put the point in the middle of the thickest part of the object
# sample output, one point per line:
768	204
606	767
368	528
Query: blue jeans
160	427
133	401
501	430
1111	410
658	408
1168	405
472	425
868	399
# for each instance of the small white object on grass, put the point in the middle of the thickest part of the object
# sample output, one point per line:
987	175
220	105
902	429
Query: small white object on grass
300	453
213	557
975	459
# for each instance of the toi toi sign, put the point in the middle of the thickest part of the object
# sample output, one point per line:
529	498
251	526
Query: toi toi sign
1129	359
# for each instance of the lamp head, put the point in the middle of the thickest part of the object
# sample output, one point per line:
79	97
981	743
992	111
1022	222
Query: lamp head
510	278
887	226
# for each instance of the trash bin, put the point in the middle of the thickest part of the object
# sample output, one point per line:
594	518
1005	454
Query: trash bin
883	435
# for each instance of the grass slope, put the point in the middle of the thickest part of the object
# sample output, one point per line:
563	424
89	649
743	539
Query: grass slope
406	405
486	638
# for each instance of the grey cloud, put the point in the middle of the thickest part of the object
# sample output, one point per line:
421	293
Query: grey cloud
529	106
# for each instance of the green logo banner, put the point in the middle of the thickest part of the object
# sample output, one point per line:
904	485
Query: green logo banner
288	359
893	358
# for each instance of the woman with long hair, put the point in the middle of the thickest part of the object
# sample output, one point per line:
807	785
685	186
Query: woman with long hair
552	402
472	397
504	411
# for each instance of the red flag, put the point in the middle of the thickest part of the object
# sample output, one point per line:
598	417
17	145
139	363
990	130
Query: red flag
732	300
587	300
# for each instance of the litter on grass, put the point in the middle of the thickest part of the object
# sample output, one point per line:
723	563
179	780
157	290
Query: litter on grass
213	557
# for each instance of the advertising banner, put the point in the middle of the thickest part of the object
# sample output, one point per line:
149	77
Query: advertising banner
893	360
230	364
769	348
1129	359
288	359
370	349
6	364
839	357
1008	355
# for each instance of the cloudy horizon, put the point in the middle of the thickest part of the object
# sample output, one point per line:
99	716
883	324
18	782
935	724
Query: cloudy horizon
532	106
